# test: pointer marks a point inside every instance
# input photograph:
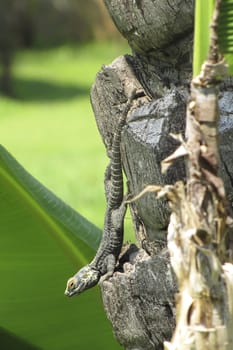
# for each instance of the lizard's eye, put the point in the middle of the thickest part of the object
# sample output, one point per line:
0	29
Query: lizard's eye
71	285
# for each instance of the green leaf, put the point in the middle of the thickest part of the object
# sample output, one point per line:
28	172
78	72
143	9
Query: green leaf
225	32
43	242
49	207
203	15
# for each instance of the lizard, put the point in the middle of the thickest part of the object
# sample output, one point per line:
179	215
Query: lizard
104	262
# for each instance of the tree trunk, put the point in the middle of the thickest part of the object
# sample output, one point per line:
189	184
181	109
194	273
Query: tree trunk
139	298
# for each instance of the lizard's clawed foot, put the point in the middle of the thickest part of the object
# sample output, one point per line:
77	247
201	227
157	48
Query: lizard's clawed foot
105	277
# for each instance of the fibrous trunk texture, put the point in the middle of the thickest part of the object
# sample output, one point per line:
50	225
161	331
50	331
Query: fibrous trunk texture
201	223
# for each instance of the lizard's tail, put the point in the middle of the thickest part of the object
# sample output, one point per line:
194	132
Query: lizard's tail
117	187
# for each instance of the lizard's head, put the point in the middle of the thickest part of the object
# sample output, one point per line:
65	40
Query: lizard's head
84	279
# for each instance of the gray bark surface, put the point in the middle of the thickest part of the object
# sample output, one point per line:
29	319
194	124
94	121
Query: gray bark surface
139	298
158	27
136	305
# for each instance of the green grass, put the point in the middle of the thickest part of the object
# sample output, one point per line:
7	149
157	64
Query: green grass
50	128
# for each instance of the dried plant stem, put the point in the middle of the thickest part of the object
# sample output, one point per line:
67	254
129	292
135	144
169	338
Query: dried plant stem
199	221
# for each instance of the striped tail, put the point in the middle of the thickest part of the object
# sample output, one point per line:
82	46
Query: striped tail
117	188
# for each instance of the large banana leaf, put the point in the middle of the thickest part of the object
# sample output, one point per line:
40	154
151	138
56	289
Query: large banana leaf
42	242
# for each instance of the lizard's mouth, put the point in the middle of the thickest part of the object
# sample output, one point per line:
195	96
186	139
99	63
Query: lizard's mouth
70	293
75	291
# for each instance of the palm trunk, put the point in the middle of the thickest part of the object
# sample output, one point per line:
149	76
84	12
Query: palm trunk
139	298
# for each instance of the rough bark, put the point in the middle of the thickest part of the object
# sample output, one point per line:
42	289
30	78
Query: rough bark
139	298
158	27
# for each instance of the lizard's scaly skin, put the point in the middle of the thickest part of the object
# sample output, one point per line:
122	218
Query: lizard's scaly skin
107	254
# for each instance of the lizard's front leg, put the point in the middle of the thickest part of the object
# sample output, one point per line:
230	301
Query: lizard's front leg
110	266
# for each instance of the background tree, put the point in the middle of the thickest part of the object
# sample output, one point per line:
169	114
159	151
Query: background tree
45	23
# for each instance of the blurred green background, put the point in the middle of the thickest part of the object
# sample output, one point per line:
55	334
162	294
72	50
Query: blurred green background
50	52
50	127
